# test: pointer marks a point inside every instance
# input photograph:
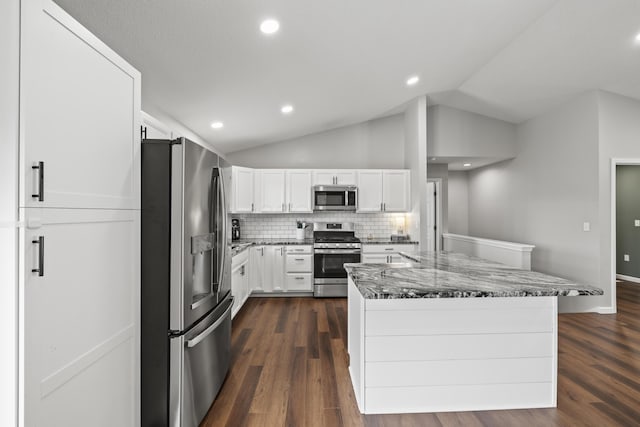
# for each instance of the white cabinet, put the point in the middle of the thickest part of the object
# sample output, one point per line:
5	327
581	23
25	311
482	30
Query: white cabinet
239	281
242	193
270	190
298	190
299	268
334	177
79	114
273	269
384	190
396	191
152	128
256	268
386	253
369	191
79	158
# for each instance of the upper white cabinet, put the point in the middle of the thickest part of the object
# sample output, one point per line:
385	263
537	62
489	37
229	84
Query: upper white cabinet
242	184
270	194
79	114
289	190
152	128
334	177
384	191
298	190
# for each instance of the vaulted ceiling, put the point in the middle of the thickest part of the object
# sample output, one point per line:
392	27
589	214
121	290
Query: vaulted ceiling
340	62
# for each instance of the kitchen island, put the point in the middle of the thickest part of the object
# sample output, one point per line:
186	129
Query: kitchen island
450	332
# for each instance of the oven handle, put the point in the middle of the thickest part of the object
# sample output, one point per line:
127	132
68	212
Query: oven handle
337	251
195	341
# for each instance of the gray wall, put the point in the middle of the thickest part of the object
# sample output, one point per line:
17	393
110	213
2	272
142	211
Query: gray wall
458	202
620	139
374	144
456	133
544	195
627	211
9	79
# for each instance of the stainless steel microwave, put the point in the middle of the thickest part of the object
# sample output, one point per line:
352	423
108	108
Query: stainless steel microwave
335	198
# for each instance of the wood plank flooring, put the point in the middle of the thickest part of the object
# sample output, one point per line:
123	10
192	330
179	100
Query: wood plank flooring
289	368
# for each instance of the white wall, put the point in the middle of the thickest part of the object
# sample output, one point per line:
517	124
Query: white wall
415	159
456	133
619	138
458	202
543	196
374	144
9	51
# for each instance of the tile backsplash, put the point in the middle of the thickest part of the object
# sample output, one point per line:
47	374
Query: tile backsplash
368	225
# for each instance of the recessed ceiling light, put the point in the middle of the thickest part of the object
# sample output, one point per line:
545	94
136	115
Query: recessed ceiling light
466	165
217	125
287	109
638	38
433	158
269	26
412	80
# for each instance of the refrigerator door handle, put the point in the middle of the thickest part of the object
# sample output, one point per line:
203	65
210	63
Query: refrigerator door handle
195	341
223	219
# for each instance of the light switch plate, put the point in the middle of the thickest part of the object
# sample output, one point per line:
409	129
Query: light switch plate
626	257
586	226
636	222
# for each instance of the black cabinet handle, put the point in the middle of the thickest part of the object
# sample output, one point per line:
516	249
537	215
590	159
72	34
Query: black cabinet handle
40	243
40	195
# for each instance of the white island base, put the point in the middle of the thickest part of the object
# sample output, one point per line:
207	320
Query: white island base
413	355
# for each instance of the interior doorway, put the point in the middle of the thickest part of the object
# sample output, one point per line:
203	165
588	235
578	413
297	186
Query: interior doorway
618	257
434	215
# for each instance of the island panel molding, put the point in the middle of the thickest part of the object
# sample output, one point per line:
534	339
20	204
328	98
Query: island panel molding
516	255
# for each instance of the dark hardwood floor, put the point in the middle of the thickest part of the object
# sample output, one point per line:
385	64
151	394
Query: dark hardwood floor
289	368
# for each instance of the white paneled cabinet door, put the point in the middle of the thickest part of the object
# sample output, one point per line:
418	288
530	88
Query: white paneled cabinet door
396	191
274	268
299	191
334	177
242	183
79	114
256	273
324	177
81	299
369	191
345	177
271	193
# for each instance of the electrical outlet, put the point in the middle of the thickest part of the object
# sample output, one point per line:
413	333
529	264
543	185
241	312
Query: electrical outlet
636	223
626	257
586	226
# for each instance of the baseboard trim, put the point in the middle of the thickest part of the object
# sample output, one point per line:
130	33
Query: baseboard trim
605	310
628	278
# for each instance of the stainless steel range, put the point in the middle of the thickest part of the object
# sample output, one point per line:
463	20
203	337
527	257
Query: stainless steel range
334	244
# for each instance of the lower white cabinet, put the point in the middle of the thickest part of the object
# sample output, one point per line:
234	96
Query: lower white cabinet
386	254
81	305
299	268
239	281
273	269
256	268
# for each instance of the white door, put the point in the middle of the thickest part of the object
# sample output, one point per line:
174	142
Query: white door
80	308
273	268
324	177
369	191
256	263
299	191
242	182
396	191
79	114
431	216
271	190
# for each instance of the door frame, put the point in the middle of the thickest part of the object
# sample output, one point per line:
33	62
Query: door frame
438	203
615	162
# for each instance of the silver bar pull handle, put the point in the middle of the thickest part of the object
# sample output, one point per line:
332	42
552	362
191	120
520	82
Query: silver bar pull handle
299	259
40	243
194	342
381	206
40	168
251	207
384	206
283	207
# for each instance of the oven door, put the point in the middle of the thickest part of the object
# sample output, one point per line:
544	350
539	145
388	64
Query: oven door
329	263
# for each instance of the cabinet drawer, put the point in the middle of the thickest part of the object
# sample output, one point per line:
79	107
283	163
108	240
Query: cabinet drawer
375	259
299	281
299	249
388	249
298	263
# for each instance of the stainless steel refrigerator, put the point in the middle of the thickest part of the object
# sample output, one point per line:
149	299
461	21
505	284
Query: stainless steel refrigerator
186	281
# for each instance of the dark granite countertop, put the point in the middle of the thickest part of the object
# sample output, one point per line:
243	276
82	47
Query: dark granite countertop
386	241
239	246
454	275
